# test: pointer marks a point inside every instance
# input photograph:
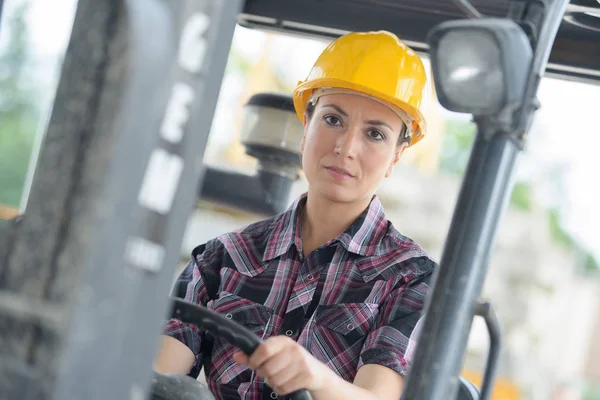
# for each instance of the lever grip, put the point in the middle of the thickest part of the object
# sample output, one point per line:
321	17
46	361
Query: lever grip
215	323
300	395
218	325
486	311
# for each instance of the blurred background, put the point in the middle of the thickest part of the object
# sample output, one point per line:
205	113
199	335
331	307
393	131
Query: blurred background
544	276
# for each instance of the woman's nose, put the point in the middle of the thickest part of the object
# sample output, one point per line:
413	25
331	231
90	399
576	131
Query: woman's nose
348	143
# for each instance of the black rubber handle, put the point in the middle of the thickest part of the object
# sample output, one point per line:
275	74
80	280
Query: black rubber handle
215	323
178	387
485	310
220	326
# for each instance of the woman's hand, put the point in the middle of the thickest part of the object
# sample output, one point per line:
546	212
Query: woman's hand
285	365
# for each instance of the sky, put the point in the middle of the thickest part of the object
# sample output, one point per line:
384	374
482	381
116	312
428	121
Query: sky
565	130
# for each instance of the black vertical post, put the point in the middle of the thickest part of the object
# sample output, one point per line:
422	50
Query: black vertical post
462	271
1	6
463	267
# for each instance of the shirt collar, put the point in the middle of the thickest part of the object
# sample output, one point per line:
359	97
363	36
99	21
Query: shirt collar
286	231
362	237
365	234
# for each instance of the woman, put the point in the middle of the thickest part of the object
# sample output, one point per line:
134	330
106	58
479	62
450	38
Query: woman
333	288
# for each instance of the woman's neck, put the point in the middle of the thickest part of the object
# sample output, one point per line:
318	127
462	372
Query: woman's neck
323	220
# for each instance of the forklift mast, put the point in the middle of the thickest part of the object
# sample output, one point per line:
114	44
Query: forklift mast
83	287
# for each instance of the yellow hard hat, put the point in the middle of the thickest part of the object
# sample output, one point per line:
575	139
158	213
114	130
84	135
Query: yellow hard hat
377	64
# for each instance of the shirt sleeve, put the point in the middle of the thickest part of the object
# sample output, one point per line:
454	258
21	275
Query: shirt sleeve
197	283
393	339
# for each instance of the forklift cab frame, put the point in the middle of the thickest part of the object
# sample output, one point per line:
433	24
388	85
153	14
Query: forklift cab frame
118	173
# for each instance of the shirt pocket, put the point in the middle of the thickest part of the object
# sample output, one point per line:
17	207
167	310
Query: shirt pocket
338	334
254	317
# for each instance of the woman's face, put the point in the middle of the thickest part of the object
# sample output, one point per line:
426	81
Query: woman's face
349	146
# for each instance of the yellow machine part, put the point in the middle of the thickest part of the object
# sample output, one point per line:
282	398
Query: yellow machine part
504	389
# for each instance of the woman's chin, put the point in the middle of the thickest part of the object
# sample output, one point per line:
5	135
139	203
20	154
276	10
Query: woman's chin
337	193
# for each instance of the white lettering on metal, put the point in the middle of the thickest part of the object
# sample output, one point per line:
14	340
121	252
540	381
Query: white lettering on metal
192	46
163	172
161	181
177	113
145	254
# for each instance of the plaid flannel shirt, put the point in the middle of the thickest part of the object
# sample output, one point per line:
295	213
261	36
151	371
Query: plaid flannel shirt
356	300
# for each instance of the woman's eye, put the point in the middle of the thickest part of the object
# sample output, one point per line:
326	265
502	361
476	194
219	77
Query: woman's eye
376	135
332	120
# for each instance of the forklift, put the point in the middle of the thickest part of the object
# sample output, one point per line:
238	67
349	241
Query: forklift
88	265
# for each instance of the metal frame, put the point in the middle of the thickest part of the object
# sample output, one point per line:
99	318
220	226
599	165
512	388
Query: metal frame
1	6
111	338
110	140
485	310
482	199
575	53
134	108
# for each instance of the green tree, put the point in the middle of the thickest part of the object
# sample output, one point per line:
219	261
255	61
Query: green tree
591	265
458	142
591	393
19	107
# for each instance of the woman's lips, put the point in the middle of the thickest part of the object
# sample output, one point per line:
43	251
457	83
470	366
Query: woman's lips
338	173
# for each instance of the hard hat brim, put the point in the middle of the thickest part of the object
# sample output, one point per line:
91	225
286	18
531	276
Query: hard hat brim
304	91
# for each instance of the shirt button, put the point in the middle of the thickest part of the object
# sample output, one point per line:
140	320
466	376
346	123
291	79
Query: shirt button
310	277
289	332
273	395
229	316
350	326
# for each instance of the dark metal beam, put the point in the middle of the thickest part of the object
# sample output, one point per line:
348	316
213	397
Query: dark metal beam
575	53
265	193
1	7
485	189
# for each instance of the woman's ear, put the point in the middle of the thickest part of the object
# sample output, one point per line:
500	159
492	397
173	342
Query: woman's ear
396	158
